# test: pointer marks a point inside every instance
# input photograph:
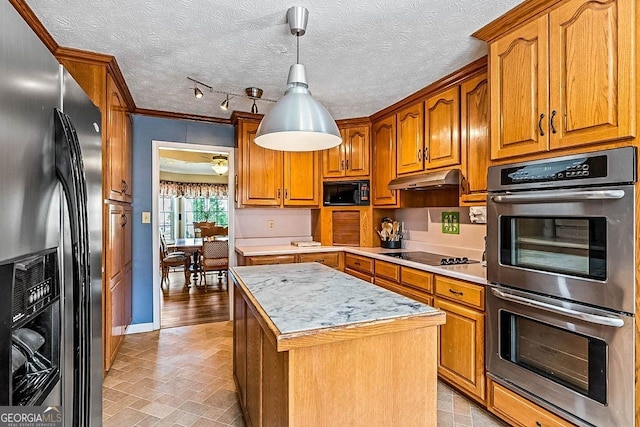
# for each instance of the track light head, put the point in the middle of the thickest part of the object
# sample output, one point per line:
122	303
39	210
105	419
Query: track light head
197	93
225	104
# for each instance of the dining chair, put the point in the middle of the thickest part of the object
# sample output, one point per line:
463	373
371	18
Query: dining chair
171	259
215	257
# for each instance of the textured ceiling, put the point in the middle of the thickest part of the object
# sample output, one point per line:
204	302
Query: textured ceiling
360	55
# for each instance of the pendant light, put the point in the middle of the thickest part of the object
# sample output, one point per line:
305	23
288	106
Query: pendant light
298	122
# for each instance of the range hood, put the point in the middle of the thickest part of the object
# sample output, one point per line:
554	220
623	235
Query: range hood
426	181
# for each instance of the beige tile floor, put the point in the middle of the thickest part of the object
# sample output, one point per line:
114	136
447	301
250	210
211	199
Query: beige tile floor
183	377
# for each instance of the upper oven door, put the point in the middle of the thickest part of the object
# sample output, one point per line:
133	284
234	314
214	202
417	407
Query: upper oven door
576	244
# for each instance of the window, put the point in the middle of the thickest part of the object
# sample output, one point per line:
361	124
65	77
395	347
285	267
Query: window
166	208
213	209
188	211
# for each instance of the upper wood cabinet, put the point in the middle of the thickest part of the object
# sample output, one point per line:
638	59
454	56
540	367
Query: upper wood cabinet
351	158
384	161
273	178
564	79
474	133
118	182
410	139
442	129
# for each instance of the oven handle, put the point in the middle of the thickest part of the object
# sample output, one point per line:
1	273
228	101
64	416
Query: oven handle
560	196
587	317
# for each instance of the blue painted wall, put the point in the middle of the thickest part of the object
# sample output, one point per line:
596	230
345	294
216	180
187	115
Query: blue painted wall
145	130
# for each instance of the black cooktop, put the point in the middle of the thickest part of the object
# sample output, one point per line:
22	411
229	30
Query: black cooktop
430	259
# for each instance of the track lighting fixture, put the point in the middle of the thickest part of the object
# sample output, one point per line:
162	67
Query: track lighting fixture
225	103
253	93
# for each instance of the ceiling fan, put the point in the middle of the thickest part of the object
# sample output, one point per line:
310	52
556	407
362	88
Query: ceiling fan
219	163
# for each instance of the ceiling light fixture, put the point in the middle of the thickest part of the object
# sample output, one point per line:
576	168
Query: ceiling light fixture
220	165
225	103
298	122
253	93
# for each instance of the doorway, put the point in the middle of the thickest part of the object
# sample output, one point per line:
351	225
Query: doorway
190	185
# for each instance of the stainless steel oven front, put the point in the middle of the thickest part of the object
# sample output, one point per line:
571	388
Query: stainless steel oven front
561	261
566	227
574	360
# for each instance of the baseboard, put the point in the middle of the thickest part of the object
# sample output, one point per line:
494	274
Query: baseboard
139	328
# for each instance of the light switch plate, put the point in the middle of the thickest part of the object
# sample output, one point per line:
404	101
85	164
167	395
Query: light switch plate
451	222
146	217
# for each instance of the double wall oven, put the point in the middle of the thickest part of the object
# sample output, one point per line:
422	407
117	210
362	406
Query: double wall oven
561	262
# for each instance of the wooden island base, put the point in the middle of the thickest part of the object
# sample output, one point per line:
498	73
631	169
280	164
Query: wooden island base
386	376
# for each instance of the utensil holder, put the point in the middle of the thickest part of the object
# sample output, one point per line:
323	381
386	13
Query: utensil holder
391	244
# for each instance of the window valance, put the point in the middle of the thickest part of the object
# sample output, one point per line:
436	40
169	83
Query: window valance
191	190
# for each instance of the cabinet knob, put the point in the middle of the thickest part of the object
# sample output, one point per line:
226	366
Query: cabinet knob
540	124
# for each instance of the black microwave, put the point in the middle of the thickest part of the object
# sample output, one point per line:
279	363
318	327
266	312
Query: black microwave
346	193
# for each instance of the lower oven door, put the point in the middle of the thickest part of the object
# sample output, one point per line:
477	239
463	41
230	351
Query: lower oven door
576	361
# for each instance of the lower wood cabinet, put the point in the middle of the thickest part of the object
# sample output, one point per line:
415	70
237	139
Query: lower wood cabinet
117	291
330	259
461	338
518	411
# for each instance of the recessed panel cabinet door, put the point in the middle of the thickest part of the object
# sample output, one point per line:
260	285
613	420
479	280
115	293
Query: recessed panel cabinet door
591	72
519	91
261	170
333	164
384	161
442	129
116	144
301	179
410	122
357	151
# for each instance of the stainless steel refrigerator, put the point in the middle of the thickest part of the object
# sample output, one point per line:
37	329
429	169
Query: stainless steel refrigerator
50	232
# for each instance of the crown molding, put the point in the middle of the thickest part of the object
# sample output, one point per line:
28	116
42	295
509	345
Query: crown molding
181	116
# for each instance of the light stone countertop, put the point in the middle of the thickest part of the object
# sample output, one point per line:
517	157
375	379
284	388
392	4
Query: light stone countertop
306	297
474	273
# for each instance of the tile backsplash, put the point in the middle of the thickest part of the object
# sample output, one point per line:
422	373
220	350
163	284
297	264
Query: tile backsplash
423	231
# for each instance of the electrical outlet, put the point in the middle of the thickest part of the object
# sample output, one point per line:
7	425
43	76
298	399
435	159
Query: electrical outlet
146	217
271	224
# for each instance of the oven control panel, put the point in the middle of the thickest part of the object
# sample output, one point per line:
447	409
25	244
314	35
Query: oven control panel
559	170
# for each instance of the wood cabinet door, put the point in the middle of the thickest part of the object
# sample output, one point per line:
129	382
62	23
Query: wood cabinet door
127	157
474	119
410	139
127	299
261	170
126	222
116	316
333	159
384	162
442	129
116	184
270	259
518	65
301	179
591	72
461	347
254	369
115	241
240	344
357	151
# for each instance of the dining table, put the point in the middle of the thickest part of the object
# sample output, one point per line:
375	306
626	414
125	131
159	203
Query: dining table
192	247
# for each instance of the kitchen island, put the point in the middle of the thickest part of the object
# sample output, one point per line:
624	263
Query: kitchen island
315	346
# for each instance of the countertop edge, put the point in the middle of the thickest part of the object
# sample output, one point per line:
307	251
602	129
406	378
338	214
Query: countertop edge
315	337
450	271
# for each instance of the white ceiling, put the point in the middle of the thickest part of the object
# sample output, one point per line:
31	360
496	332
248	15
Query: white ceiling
188	162
360	56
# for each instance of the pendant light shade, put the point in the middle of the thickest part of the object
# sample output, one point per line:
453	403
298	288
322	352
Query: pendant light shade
298	122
